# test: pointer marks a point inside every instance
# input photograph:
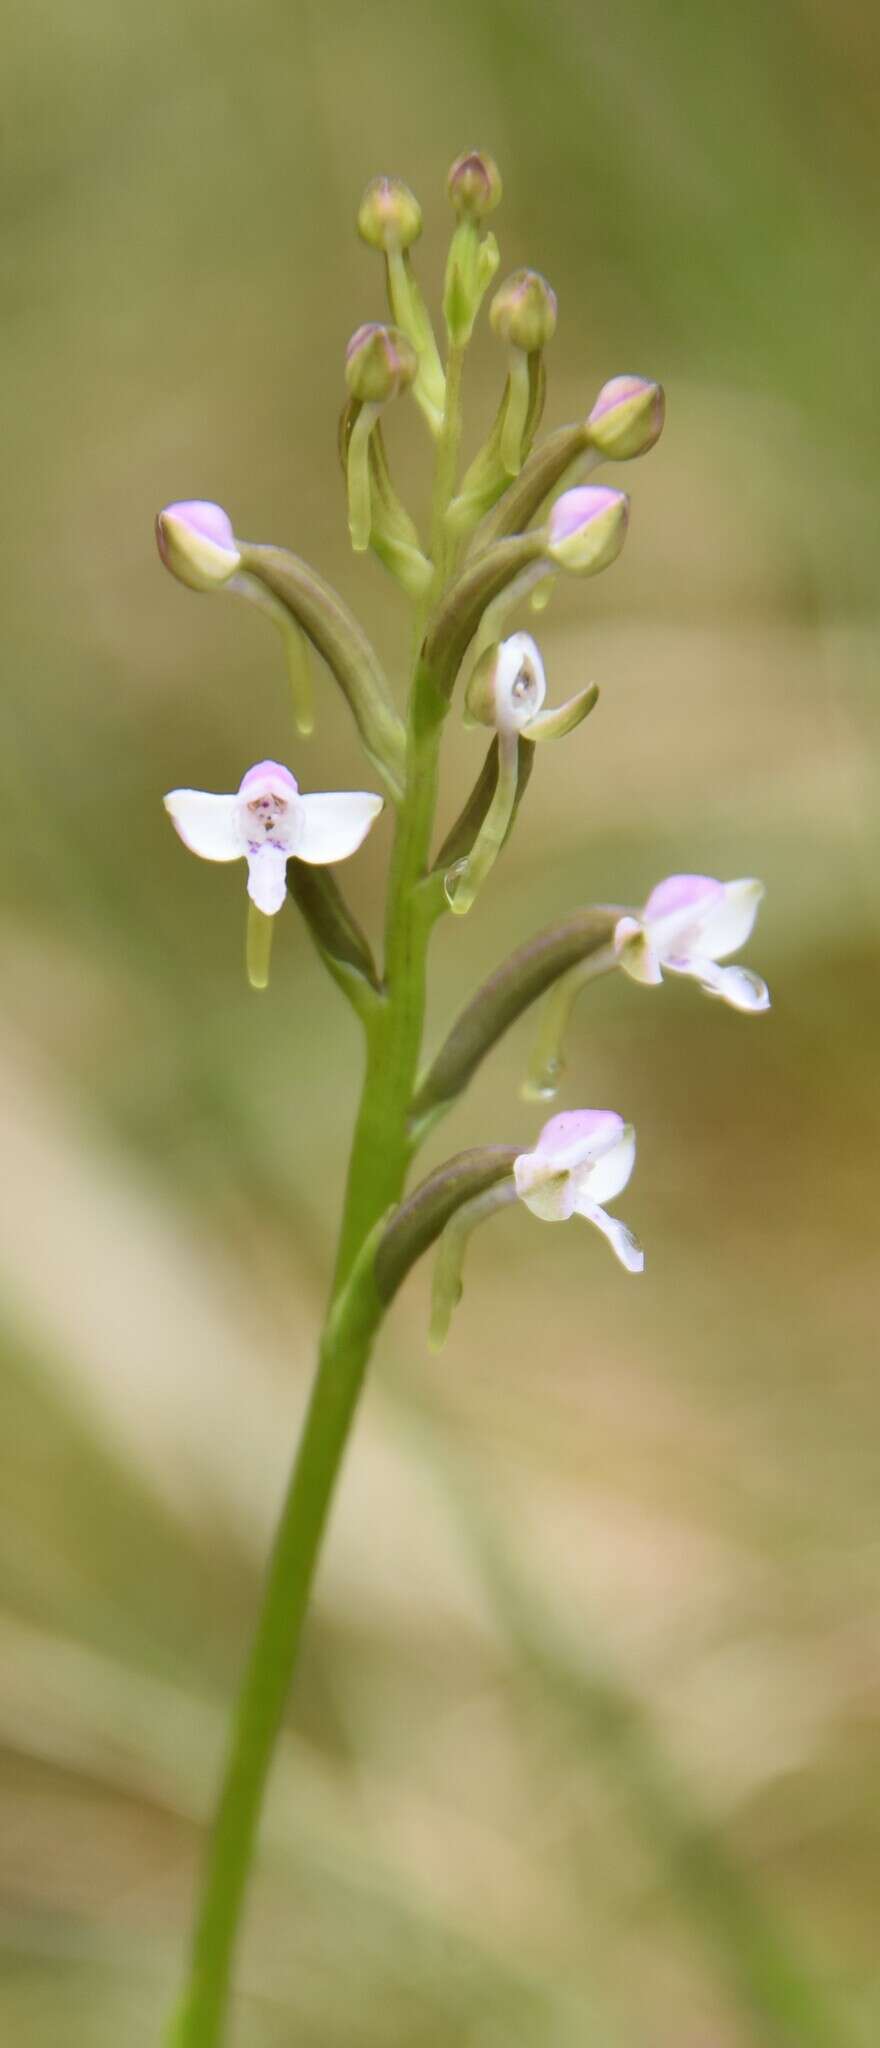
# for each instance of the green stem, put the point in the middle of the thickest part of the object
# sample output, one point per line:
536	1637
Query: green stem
345	1348
444	545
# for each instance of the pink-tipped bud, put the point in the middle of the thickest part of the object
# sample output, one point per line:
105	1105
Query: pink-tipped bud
587	528
523	311
627	417
196	542
389	215
379	362
474	185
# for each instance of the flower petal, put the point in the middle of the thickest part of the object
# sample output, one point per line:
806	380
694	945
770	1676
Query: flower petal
545	1188
206	823
683	896
267	878
577	1135
332	826
604	1177
726	924
622	1242
636	954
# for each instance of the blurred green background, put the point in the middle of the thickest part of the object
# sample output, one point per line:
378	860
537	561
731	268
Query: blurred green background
584	1748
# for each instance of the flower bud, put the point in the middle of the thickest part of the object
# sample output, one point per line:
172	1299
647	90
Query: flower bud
389	214
627	417
474	185
508	686
196	542
379	362
523	311
587	528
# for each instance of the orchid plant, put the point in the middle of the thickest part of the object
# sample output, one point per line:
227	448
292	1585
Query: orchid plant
520	516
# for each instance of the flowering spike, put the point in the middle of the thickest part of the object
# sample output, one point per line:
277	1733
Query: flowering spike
627	417
582	1158
196	542
688	925
587	528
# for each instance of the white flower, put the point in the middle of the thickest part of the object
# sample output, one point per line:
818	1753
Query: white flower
266	822
582	1158
688	924
507	690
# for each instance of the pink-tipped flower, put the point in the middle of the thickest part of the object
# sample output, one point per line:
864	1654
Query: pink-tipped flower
688	925
197	543
266	821
582	1158
587	528
627	417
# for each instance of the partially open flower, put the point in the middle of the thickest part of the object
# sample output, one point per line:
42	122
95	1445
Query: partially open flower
582	1158
688	925
508	685
266	821
587	528
627	417
508	688
196	542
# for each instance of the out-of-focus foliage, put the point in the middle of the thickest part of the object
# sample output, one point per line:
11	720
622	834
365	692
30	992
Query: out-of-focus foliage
584	1747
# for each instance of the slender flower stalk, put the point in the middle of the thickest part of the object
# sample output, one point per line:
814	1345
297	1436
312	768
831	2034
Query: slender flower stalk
461	591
